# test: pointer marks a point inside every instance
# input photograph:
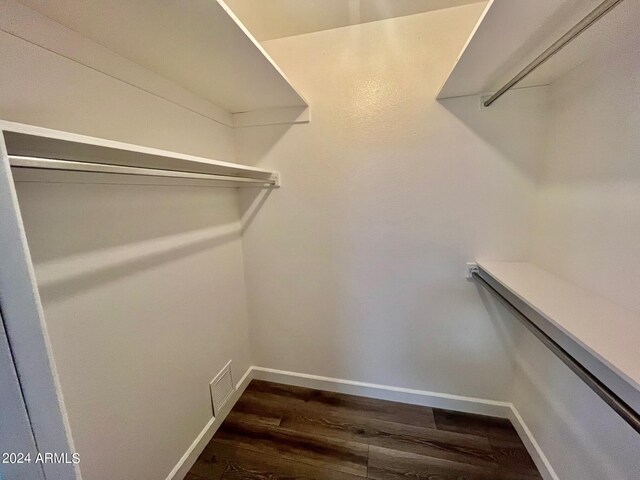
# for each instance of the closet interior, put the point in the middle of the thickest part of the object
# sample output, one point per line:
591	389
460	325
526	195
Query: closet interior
320	239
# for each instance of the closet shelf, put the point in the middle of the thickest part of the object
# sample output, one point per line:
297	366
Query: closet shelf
604	330
44	150
212	62
510	35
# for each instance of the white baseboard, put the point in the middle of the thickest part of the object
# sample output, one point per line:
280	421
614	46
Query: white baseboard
384	392
417	397
204	437
533	447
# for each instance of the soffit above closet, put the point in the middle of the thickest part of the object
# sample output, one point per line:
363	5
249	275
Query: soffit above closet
194	43
510	34
270	19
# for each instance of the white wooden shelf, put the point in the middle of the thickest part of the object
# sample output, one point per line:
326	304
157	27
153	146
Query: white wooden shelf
195	54
36	148
602	329
510	34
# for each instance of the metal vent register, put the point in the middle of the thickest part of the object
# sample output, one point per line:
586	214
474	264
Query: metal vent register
222	388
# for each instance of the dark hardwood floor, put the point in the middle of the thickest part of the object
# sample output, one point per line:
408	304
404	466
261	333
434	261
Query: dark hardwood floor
280	432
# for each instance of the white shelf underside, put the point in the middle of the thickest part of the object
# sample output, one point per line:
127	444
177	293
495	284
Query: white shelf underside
42	143
194	54
511	34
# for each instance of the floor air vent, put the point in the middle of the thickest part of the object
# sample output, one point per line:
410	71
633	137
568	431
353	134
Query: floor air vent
221	389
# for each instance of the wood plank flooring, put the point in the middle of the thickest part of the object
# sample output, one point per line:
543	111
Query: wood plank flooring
280	432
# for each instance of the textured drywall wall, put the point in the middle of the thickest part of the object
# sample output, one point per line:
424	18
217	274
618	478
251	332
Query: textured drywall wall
144	300
588	215
587	226
142	286
355	268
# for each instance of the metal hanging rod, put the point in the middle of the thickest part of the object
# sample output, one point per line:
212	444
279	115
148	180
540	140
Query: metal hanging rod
68	165
600	11
627	413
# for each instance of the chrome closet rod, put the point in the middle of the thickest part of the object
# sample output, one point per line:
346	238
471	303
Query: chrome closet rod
627	413
69	165
595	15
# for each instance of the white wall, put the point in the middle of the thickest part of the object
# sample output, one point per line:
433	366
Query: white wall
355	268
587	226
38	87
582	437
143	293
588	213
142	286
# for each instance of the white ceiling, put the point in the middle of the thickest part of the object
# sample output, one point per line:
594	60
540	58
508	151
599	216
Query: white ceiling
269	19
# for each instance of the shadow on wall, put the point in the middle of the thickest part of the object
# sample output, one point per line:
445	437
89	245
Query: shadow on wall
116	268
251	201
92	217
102	233
516	125
263	140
